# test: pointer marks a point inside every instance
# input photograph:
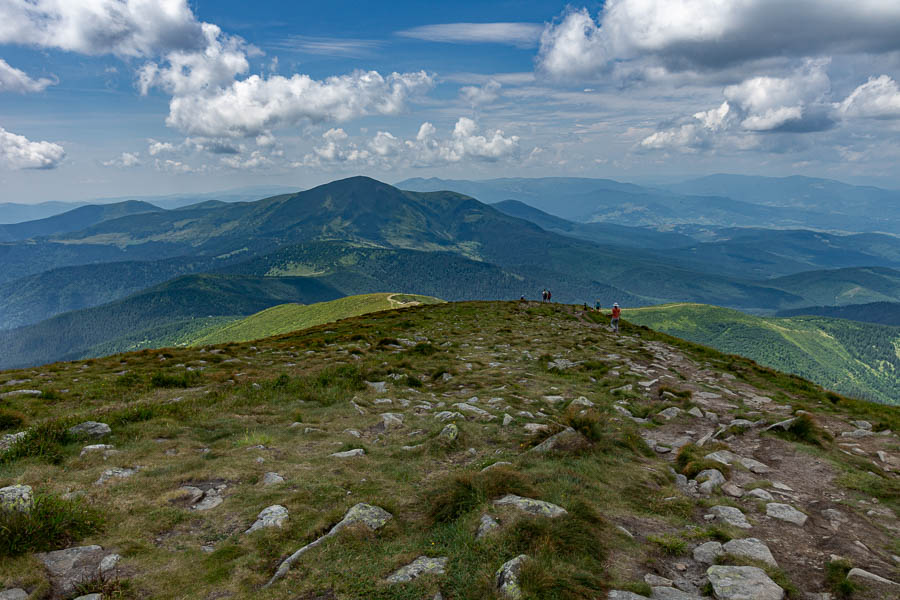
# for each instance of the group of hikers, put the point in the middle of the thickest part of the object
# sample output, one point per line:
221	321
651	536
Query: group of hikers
546	296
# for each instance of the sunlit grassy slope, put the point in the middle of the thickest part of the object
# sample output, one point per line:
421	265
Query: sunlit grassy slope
285	318
855	358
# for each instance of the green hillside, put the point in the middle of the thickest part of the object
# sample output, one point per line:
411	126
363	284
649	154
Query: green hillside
840	287
292	317
859	359
883	313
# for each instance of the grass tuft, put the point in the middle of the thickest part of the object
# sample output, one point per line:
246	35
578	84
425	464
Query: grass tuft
458	494
836	579
691	460
51	524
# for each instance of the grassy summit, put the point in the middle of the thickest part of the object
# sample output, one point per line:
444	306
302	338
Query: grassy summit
424	400
285	318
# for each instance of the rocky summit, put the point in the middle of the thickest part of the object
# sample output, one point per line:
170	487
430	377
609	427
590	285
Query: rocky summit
456	451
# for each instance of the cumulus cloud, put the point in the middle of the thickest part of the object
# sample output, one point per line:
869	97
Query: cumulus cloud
18	152
478	95
515	34
155	147
711	34
878	98
16	80
125	161
134	28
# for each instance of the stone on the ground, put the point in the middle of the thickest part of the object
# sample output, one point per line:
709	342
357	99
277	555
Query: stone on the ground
732	489
7	440
371	517
535	428
507	578
731	516
90	597
507	420
621	595
707	553
68	568
531	506
554	400
18	498
582	401
785	512
108	564
391	421
379	387
14	594
670	413
273	516
116	473
449	433
272	478
761	494
466	408
485	526
561	364
754	466
709	480
106	449
751	548
670	593
90	429
742	583
567	439
862	576
696	412
210	499
862	425
447	415
423	565
349	453
783	425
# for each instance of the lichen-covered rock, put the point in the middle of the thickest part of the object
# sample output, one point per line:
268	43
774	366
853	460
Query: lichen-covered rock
731	516
531	506
272	516
349	453
18	498
670	593
449	433
448	415
14	594
272	478
391	421
486	524
507	578
751	548
423	565
621	595
116	473
785	512
464	407
70	567
106	450
707	553
567	439
742	583
90	429
761	494
864	577
670	413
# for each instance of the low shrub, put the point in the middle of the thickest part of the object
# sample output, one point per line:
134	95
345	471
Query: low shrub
458	494
692	459
45	442
805	430
836	579
181	380
11	419
51	524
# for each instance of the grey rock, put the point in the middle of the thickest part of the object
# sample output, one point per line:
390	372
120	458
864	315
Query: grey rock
106	449
567	439
707	553
713	476
447	415
581	401
14	594
561	364
670	593
90	597
272	516
859	433
350	453
862	425
68	568
449	434
742	583
670	413
378	386
535	428
751	548
761	494
90	429
862	576
731	516
463	407
655	580
507	578
785	512
16	498
531	506
372	517
696	412
783	425
109	564
485	526
272	478
620	595
21	393
423	565
507	420
7	440
732	489
391	421
116	473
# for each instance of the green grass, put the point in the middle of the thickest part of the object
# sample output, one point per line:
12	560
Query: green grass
53	523
285	318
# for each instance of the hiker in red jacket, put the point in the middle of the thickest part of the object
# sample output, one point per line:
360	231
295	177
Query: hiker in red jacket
616	311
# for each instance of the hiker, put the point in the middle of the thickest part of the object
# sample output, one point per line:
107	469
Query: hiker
549	296
616	311
544	296
522	298
597	306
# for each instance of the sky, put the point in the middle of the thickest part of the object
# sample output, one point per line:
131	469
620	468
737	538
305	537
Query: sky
102	98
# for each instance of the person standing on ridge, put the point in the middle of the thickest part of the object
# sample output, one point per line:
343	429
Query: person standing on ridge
616	311
597	306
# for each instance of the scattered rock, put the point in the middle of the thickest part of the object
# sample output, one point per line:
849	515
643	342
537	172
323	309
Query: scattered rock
732	489
106	449
670	593
751	548
862	576
553	400
507	578
108	564
531	506
485	526
561	364
761	494
70	567
21	393
535	428
731	516
391	421
670	413
446	415
18	498
473	410
709	479
862	425
421	566
449	434
696	412
116	473
742	583
501	463
567	439
783	425
349	453
90	429
653	579
707	553
371	517
582	401
507	420
272	478
90	597
379	387
785	512
273	516
7	440
14	594
620	595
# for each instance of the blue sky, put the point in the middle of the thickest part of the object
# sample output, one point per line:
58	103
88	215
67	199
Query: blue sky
131	97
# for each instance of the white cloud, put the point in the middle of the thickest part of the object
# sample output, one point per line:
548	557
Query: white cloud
176	166
256	160
878	98
385	144
683	35
18	152
328	46
125	161
132	28
515	34
155	147
478	95
16	80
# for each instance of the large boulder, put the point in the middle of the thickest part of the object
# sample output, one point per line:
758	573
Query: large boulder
742	583
751	548
14	594
785	512
507	578
730	516
70	567
531	506
92	429
16	498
